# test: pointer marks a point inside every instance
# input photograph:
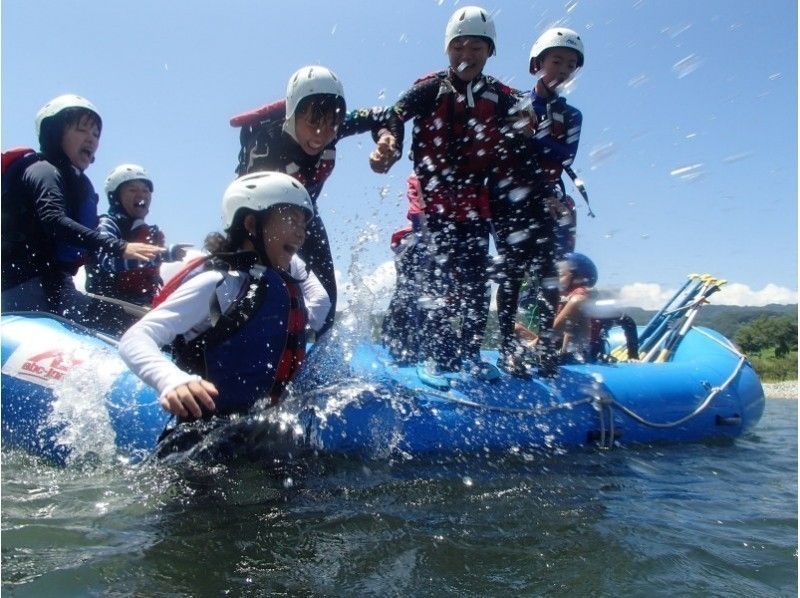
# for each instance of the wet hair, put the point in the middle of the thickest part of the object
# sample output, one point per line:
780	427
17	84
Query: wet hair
234	237
215	242
52	129
322	107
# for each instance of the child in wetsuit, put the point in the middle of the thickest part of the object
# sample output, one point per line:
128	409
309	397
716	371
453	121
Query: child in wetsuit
533	233
49	218
237	325
298	136
462	138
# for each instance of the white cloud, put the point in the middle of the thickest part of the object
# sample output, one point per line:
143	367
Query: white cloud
653	296
644	294
741	294
638	294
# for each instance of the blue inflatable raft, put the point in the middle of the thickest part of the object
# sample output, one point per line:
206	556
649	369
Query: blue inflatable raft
66	393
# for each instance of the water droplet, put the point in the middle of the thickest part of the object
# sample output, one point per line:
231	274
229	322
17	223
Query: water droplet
518	193
689	173
467	481
686	66
637	81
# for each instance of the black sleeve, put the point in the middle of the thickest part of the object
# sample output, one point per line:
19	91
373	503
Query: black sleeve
374	120
49	189
419	100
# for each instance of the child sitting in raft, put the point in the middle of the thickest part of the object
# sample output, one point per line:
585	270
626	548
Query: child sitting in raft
238	326
579	324
298	136
50	214
129	190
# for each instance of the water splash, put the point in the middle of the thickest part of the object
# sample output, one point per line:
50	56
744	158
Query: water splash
686	66
601	153
689	173
79	421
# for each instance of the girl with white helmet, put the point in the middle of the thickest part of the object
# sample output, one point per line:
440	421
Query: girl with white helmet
49	215
298	135
462	139
129	190
237	320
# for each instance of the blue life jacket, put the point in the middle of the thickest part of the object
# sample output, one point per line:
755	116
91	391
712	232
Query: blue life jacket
256	347
83	211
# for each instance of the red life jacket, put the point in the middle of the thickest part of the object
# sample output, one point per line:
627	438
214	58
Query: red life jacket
143	281
460	143
10	156
322	170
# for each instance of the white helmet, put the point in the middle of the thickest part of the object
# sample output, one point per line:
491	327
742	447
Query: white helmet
472	21
558	37
124	173
308	81
260	191
60	103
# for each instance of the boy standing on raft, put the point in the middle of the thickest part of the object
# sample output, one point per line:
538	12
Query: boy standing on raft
555	57
463	136
532	233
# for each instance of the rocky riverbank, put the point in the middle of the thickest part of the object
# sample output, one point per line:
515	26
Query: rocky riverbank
781	390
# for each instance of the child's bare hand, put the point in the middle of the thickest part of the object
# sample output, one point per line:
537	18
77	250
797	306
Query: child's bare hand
142	251
188	400
385	153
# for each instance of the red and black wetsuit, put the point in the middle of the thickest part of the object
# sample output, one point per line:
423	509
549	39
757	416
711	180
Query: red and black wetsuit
462	139
265	146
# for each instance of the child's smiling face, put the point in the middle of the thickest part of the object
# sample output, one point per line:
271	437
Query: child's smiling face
314	132
557	66
134	197
283	231
468	56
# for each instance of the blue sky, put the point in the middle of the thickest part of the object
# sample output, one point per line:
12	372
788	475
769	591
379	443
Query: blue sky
689	144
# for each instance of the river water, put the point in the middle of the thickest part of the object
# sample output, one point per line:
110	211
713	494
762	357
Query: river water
694	519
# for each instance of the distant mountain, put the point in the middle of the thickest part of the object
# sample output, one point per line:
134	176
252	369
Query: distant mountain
725	319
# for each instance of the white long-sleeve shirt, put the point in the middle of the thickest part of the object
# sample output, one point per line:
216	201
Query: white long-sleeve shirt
187	312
